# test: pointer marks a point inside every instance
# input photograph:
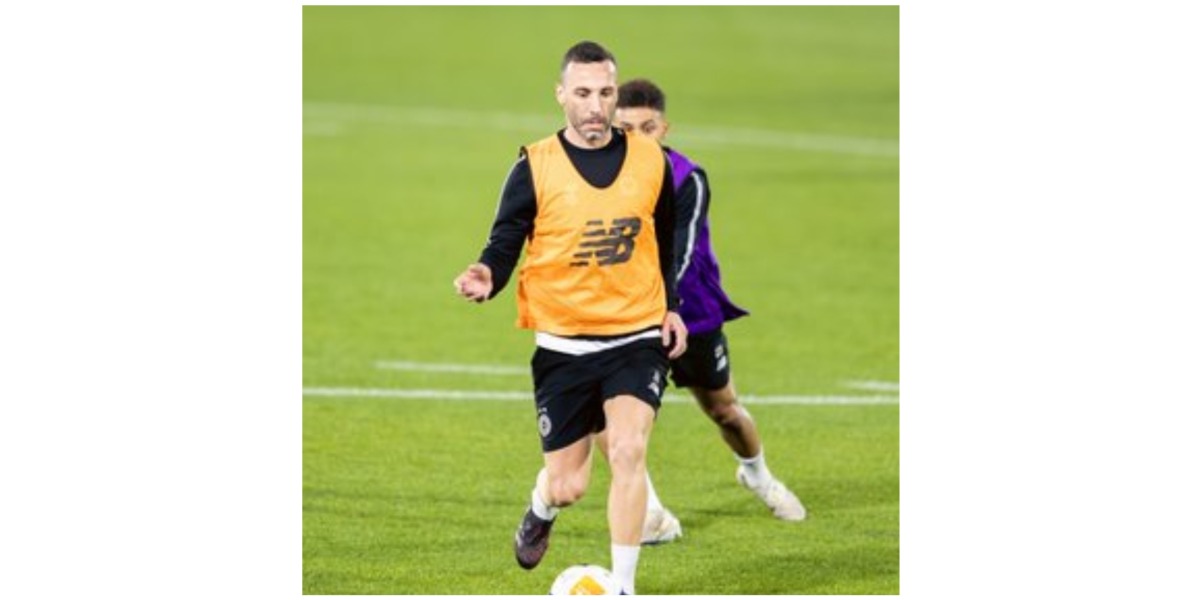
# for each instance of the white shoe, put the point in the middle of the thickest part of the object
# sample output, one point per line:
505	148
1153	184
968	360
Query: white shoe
777	497
661	527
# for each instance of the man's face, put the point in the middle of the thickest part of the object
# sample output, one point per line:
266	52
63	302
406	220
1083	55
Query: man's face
643	120
588	95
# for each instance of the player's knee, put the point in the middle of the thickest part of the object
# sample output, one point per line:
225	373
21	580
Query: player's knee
724	414
626	451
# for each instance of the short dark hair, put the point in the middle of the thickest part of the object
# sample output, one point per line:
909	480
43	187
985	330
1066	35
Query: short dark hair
586	52
641	93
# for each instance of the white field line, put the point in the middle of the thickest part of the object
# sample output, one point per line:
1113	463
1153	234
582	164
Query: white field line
402	365
323	118
513	370
470	395
872	386
416	394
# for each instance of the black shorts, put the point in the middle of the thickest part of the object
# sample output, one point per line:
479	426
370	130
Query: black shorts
570	390
705	364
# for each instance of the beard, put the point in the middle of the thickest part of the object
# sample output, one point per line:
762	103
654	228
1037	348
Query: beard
592	129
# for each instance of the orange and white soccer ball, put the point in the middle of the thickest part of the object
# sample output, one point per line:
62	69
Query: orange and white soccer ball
585	580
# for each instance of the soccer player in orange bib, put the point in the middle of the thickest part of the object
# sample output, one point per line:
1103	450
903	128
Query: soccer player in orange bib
593	208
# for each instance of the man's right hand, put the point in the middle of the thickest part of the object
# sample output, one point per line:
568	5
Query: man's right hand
475	284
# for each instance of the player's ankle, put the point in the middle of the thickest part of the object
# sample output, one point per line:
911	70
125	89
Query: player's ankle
755	469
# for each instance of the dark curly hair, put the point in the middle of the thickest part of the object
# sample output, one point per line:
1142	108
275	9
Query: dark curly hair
641	93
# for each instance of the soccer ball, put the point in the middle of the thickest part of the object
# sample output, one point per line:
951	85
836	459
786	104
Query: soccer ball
585	580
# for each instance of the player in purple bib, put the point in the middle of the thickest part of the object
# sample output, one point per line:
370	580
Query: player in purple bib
704	306
707	305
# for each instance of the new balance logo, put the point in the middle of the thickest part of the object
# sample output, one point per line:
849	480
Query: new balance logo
609	246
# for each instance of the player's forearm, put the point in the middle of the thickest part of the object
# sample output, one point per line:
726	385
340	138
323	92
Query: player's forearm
513	224
664	231
691	206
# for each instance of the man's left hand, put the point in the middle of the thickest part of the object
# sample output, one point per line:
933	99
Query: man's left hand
673	330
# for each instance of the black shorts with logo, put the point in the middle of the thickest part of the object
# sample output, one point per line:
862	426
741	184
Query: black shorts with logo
705	364
570	390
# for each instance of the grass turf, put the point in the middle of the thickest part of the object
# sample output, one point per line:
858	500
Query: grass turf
412	118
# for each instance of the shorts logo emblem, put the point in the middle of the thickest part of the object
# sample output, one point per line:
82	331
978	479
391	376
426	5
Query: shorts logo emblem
655	382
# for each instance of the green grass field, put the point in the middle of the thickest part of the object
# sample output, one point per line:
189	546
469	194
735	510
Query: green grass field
412	117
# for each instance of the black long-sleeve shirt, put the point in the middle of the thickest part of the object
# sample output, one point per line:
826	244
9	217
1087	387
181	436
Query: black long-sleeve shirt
600	167
691	214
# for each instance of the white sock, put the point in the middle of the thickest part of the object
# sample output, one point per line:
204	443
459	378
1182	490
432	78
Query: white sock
538	502
755	468
625	562
652	501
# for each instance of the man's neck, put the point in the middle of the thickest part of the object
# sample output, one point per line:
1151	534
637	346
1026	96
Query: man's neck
579	141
